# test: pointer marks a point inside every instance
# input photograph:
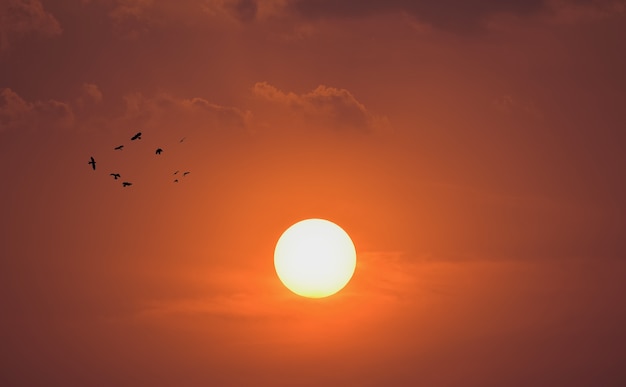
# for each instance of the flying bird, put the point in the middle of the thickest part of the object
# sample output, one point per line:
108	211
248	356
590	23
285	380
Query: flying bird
126	184
175	180
137	136
176	172
93	163
115	175
159	151
183	139
186	173
119	147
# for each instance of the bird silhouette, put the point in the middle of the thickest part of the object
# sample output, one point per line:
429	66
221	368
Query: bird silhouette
176	172
159	151
93	163
126	184
115	175
175	180
186	173
119	147
183	139
137	136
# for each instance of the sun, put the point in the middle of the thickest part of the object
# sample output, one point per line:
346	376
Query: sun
315	258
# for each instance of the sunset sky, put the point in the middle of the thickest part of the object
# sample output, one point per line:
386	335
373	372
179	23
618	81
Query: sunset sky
475	152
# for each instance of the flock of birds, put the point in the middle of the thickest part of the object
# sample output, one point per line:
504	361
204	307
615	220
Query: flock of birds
117	176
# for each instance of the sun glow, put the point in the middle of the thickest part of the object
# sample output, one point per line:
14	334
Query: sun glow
315	258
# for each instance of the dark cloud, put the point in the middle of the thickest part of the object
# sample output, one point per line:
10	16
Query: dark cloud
448	14
245	10
22	17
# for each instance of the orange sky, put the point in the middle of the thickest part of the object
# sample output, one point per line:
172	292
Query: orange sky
474	151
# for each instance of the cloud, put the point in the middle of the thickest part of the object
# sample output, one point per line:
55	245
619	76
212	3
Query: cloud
136	18
17	113
383	281
456	15
90	94
324	106
22	17
428	294
573	12
164	109
233	292
161	110
130	9
245	10
447	14
131	18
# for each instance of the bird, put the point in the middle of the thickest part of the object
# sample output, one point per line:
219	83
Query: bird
176	172
119	147
186	173
183	139
137	136
93	163
158	151
115	175
126	184
175	180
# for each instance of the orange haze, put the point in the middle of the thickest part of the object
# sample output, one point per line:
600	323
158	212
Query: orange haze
474	151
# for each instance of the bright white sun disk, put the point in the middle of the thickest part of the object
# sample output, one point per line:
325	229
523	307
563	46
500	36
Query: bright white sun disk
315	258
